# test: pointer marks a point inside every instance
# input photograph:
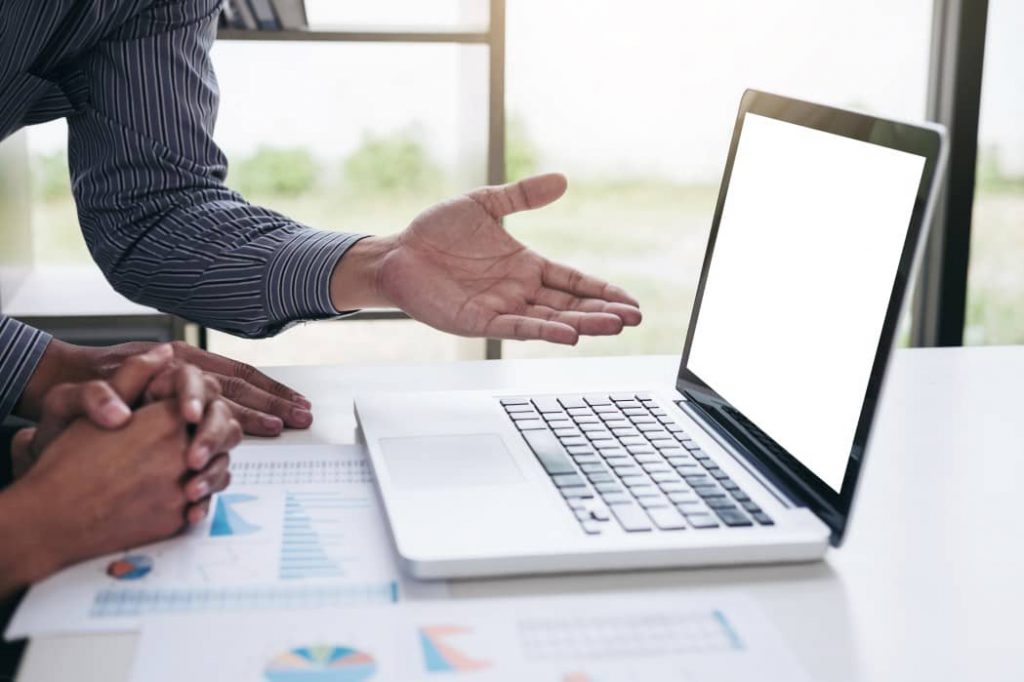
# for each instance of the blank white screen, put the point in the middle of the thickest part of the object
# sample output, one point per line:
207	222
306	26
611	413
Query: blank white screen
803	268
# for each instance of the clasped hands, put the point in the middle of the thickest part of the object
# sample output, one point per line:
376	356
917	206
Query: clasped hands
117	463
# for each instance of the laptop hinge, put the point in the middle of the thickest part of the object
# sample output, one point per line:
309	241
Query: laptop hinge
777	489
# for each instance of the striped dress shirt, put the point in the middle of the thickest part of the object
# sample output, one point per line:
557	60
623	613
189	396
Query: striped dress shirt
135	82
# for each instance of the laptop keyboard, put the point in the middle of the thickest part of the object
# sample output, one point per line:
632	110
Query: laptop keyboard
621	459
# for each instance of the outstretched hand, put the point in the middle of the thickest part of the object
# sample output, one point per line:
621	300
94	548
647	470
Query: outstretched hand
456	268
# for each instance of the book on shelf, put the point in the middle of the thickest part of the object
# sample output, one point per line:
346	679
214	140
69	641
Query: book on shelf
291	14
266	18
264	15
246	18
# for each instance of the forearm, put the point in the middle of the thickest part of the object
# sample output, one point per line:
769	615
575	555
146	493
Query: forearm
24	556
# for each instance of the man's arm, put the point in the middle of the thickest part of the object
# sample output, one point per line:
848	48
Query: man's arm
149	183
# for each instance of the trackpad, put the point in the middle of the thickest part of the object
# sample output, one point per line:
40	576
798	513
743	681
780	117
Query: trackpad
446	461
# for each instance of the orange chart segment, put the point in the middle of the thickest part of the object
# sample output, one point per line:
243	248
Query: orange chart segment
441	656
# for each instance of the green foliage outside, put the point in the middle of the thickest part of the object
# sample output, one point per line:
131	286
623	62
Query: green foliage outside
50	176
992	177
521	155
274	171
397	163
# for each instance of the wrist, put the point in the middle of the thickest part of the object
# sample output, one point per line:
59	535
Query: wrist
61	362
356	281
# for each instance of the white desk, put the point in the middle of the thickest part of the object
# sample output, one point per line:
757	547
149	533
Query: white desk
927	586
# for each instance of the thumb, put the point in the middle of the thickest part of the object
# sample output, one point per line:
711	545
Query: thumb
135	374
528	193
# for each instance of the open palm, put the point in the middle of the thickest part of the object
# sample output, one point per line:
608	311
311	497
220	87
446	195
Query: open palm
457	269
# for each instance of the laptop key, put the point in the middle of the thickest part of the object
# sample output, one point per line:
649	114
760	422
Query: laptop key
648	457
597	400
644	491
751	506
572	440
702	520
517	409
591	527
666	518
733	517
631	480
566	480
616	497
717	503
651	502
730	485
580	491
569	402
662	476
569	431
531	425
515	401
547	405
593	468
677	486
631	517
763	519
682	496
600	477
737	494
609	486
549	451
522	416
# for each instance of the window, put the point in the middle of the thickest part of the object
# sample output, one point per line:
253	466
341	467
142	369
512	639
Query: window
636	103
358	138
995	303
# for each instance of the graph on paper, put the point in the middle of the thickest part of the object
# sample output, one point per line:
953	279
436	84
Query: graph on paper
321	663
315	537
624	636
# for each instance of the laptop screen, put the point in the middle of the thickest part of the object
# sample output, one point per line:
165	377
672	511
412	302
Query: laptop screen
808	246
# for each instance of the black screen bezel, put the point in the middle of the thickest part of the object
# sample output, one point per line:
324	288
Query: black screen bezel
769	457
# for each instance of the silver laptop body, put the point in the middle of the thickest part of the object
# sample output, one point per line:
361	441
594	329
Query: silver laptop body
752	452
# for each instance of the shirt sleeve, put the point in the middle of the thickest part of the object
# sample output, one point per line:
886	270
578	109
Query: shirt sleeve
21	347
149	184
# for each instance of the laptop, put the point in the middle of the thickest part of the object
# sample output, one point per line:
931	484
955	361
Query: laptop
751	453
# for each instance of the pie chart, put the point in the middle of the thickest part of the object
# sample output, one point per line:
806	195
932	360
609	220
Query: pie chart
320	663
130	567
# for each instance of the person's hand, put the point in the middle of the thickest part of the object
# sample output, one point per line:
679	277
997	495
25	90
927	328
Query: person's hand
95	491
261	405
457	269
156	376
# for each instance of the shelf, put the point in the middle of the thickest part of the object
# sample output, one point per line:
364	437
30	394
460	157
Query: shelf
358	35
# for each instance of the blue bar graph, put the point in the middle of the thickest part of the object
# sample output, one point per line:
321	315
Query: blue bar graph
312	543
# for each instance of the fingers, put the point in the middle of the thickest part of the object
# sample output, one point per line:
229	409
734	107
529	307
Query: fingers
256	423
561	300
572	281
136	372
212	479
195	513
526	328
218	364
95	400
190	387
589	324
218	432
533	192
264	404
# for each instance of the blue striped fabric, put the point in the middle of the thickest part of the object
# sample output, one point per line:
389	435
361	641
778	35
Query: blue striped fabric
135	82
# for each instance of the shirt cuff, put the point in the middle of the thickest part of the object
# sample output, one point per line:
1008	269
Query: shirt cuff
298	279
21	348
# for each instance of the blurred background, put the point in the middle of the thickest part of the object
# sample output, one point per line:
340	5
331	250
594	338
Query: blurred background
634	101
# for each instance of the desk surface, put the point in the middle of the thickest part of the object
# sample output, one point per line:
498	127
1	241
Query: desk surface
927	586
